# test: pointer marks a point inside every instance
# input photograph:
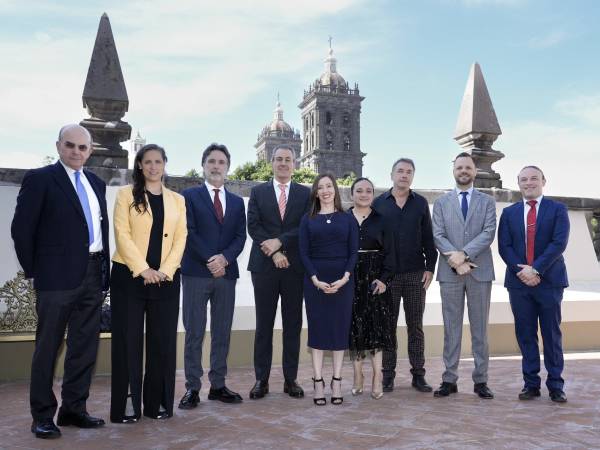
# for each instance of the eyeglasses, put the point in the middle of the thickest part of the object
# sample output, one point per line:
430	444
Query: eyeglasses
71	145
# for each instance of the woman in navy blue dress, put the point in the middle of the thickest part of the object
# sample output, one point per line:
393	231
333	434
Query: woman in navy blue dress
328	240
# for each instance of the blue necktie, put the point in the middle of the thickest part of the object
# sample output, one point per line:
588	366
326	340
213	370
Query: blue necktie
464	206
85	204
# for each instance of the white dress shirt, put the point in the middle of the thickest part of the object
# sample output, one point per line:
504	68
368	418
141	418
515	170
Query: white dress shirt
95	246
460	197
278	190
210	188
526	209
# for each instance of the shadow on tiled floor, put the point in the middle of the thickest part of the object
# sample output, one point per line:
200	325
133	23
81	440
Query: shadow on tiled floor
403	419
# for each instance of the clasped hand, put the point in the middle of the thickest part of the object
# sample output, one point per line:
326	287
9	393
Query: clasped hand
528	276
152	276
216	264
330	288
270	246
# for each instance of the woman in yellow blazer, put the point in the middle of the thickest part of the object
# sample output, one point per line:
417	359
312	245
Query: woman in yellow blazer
150	235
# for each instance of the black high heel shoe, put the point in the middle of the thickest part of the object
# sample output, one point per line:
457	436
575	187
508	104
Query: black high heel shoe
321	401
336	400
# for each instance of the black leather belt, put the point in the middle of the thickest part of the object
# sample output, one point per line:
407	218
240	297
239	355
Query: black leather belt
96	255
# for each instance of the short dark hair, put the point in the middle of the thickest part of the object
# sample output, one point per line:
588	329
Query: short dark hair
532	167
358	180
464	155
404	160
220	147
283	147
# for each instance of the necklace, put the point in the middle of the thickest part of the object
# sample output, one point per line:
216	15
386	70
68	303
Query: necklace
328	217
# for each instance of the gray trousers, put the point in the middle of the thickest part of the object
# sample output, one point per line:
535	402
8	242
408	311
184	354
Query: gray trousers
196	294
453	305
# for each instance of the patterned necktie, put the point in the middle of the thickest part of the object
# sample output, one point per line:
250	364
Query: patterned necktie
531	218
218	206
464	205
282	200
85	205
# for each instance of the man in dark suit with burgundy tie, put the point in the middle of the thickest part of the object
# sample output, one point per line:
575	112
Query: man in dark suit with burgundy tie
216	221
532	237
274	212
60	231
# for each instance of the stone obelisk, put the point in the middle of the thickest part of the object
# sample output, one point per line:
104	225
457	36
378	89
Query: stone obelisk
106	101
477	128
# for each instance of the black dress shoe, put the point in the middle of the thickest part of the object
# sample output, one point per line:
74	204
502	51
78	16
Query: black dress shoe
161	415
224	395
388	384
420	384
529	393
446	389
45	429
259	390
80	420
189	400
293	389
558	396
483	390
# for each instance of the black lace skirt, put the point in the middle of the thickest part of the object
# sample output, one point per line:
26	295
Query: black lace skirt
372	328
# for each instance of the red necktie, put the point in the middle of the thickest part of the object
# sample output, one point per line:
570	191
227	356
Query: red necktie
218	206
531	217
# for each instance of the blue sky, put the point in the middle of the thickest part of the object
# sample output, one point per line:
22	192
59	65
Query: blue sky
198	72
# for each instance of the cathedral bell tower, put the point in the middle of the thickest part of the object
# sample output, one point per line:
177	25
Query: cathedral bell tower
331	124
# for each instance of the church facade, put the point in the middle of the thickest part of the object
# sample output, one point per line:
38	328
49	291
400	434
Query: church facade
330	113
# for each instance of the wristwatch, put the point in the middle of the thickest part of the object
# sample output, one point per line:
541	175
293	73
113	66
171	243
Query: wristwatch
467	257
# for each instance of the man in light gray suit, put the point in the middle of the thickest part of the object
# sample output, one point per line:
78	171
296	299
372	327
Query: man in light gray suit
464	225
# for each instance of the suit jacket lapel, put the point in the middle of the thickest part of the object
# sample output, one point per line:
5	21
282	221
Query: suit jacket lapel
273	198
472	204
541	213
453	197
92	182
205	196
521	226
61	177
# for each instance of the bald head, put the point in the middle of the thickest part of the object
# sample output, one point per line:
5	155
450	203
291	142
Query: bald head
74	146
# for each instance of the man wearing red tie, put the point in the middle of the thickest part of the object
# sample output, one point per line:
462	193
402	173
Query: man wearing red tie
216	221
532	236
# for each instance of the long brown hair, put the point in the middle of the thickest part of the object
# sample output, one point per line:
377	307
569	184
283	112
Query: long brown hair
139	182
315	203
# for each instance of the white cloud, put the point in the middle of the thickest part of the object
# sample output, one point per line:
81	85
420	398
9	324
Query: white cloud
548	40
583	107
567	155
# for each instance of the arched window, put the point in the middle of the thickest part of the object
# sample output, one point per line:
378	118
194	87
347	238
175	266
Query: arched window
346	142
346	120
329	140
328	118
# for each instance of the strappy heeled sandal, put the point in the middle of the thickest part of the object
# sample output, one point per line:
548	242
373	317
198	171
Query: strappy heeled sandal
321	401
336	400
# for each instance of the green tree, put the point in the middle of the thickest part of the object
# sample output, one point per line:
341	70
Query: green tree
304	175
252	171
193	173
347	180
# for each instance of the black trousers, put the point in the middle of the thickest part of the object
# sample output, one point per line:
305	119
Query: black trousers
408	287
129	307
268	286
78	310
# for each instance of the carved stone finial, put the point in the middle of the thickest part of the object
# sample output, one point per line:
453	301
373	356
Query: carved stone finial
477	128
105	98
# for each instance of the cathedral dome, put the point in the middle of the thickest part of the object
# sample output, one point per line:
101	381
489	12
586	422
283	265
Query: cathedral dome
331	77
278	125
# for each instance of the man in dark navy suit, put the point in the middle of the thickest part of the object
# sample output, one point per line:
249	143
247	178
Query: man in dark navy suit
60	231
216	221
532	236
274	212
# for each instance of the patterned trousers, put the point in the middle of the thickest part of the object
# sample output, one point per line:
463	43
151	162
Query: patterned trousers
408	287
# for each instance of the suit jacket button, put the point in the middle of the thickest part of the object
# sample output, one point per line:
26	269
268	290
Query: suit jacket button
166	234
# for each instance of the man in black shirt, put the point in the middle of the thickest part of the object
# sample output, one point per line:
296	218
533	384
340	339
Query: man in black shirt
408	214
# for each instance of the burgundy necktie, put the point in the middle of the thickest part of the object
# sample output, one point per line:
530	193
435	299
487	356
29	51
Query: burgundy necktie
531	218
218	206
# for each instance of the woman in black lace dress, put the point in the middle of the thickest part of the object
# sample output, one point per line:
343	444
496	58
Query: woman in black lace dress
372	326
